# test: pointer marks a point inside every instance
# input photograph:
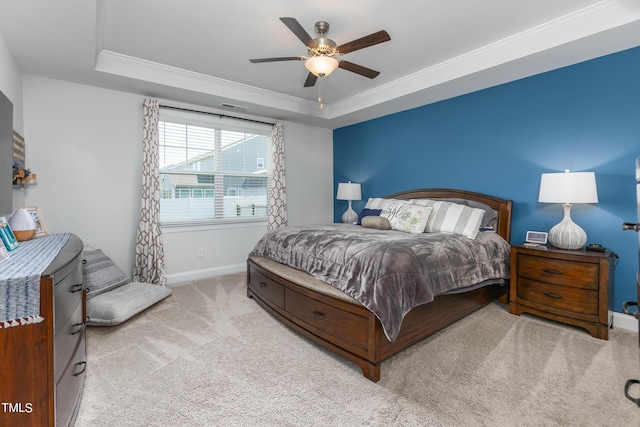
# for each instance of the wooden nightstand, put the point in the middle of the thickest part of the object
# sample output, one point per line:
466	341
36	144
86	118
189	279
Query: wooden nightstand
573	287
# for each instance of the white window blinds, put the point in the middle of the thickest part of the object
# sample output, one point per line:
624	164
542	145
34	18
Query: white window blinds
212	168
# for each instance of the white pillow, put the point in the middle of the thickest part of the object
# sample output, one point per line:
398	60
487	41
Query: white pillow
412	218
448	217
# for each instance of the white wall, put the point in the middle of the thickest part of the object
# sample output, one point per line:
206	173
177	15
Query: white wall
85	145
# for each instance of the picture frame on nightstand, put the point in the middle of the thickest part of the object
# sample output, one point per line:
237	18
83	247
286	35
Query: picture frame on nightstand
537	237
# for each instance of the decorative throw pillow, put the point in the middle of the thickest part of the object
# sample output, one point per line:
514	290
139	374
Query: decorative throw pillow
412	218
379	222
100	273
489	219
450	217
389	207
368	212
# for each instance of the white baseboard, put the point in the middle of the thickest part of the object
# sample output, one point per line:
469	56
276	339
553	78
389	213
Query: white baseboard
188	276
625	321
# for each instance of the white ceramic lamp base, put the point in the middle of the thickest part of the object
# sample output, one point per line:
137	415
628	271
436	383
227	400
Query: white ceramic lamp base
567	234
350	216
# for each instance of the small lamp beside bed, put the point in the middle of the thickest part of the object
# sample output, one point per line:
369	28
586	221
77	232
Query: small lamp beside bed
568	188
349	191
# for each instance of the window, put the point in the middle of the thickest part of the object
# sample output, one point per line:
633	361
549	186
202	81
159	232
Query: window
212	169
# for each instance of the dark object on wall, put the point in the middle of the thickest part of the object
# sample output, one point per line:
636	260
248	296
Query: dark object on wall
6	155
21	175
19	159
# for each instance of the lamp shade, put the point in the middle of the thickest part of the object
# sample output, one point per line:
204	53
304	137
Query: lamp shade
22	224
349	191
321	65
568	187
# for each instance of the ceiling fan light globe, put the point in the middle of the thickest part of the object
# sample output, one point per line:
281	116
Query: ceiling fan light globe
321	66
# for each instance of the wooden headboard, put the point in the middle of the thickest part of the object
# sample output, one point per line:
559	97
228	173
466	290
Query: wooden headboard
501	206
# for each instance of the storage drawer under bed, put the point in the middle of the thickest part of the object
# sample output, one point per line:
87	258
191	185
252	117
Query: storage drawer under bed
334	321
268	290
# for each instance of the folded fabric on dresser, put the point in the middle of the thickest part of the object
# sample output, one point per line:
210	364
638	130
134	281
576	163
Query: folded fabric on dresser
20	279
387	271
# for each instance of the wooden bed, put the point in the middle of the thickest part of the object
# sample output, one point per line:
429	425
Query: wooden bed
341	324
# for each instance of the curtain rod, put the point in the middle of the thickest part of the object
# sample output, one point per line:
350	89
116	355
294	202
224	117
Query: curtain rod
215	114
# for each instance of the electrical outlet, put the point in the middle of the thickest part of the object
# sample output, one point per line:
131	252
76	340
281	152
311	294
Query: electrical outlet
200	253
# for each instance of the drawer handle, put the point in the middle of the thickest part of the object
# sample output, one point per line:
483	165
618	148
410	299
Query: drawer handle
76	288
318	315
546	270
84	368
263	285
76	328
552	295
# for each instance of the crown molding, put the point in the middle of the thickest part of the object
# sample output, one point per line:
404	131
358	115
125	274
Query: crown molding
154	72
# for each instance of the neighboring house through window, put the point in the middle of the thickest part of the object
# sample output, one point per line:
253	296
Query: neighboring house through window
212	168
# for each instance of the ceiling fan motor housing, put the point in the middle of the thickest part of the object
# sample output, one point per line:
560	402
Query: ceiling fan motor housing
325	46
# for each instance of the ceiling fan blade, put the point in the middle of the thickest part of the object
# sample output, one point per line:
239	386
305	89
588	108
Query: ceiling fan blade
284	58
311	80
301	33
358	69
366	41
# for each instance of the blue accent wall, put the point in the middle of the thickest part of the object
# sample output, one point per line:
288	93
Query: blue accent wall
498	141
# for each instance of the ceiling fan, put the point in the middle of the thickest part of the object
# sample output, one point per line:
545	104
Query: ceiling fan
323	51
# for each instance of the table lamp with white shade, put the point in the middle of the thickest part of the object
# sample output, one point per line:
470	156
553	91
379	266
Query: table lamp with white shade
568	188
349	191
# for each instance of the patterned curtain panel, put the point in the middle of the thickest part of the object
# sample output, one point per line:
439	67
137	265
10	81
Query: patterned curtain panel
149	266
278	199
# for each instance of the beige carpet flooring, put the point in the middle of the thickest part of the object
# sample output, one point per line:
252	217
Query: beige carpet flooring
210	356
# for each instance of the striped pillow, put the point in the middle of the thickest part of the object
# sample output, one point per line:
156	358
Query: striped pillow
450	217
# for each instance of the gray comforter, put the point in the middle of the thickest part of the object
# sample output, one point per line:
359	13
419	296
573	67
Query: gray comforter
389	272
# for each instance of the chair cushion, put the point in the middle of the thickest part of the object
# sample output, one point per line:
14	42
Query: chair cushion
120	304
100	274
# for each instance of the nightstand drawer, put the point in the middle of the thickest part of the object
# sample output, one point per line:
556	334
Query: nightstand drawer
558	271
566	298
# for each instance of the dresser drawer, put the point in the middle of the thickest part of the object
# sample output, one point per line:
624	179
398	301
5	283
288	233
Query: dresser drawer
327	318
69	388
66	341
566	298
560	272
67	293
268	290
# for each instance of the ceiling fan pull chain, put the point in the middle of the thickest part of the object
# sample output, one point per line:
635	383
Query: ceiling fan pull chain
320	94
